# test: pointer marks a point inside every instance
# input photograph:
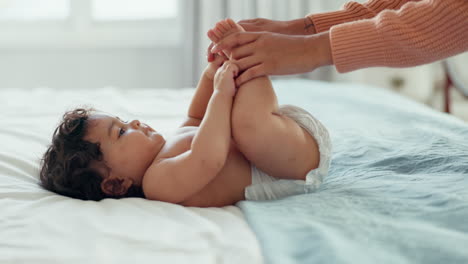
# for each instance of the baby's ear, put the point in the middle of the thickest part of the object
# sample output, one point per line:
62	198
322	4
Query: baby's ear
116	186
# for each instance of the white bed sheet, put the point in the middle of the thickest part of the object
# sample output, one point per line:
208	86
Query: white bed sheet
37	226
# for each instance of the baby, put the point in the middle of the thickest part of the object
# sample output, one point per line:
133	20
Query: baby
236	144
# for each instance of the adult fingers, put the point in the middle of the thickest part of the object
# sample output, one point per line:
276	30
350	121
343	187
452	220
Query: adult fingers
243	21
247	62
250	74
252	27
243	51
234	40
249	26
256	25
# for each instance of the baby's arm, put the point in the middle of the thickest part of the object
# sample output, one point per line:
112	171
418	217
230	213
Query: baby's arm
176	179
203	93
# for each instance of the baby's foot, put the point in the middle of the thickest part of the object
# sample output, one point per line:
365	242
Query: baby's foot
223	29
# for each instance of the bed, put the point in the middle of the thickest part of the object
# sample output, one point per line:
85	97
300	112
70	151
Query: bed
397	191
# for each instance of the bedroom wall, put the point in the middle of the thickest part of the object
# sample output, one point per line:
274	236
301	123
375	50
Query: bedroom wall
91	68
179	65
80	46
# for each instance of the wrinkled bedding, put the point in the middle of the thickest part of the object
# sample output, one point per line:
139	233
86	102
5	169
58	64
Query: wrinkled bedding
397	190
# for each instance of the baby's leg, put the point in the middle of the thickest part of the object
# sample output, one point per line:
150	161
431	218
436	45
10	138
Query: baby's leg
275	143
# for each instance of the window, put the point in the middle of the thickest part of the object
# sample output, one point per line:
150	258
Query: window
33	10
137	10
90	23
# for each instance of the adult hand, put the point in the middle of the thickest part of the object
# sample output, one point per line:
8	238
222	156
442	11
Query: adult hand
265	53
212	56
301	26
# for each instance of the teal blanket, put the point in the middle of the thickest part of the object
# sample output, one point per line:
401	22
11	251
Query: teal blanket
397	190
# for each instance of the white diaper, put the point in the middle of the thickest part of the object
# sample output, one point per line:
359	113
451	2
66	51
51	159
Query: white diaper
265	187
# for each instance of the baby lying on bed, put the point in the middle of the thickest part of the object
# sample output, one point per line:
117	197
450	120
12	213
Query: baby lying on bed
234	145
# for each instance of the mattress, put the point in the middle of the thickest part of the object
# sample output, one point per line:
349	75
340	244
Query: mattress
37	226
397	190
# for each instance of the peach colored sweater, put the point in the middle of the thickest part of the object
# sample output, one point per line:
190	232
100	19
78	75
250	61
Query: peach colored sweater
395	33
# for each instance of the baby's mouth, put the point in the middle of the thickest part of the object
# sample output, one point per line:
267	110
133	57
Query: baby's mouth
148	129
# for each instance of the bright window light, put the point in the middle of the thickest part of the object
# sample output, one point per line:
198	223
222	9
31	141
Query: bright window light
33	10
133	9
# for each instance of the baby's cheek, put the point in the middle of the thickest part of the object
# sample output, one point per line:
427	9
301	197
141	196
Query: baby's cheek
121	155
122	161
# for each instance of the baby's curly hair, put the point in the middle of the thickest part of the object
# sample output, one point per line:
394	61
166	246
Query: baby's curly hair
65	165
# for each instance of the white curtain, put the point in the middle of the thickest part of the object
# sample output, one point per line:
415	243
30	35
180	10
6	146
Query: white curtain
203	15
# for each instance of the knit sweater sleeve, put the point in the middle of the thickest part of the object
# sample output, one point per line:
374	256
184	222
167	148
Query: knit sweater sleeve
353	11
418	33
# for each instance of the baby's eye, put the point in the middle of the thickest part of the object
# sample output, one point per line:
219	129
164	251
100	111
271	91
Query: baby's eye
121	132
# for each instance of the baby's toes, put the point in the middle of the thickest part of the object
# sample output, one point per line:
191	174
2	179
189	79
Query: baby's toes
222	26
218	33
231	23
212	36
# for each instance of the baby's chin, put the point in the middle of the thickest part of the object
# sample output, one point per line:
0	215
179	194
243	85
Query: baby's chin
158	139
156	135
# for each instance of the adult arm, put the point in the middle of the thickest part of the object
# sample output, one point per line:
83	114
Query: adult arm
418	33
320	22
353	11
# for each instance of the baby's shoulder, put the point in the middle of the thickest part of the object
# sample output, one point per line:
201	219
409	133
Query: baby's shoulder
176	144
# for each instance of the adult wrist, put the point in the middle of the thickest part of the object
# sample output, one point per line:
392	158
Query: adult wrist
301	26
319	50
293	27
309	26
325	48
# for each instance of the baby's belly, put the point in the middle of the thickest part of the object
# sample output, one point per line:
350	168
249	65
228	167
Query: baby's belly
228	186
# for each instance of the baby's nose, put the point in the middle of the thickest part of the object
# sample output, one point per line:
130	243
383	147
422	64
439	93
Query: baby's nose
135	123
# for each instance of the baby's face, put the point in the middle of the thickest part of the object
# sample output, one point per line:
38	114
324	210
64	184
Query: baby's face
128	148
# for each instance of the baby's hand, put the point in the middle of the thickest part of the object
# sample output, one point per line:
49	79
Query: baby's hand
224	78
211	68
